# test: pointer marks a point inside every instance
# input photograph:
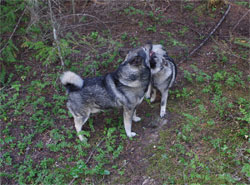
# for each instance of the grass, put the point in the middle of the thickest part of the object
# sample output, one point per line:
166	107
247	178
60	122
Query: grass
205	142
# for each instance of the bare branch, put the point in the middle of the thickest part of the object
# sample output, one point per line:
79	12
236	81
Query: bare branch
55	33
18	22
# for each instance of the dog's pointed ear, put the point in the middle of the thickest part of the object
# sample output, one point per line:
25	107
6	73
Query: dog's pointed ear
136	61
122	53
148	46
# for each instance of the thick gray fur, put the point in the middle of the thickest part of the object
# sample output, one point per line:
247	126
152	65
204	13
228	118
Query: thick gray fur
124	88
164	71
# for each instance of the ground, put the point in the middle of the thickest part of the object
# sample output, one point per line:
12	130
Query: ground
204	139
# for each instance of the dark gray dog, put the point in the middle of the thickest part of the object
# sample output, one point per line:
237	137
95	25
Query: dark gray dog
164	71
124	88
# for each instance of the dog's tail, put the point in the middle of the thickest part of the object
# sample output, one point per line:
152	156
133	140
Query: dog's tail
71	81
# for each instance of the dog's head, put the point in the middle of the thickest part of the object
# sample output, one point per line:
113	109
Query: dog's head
139	56
157	58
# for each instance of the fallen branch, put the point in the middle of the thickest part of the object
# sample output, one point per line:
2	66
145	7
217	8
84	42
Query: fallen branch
206	39
240	20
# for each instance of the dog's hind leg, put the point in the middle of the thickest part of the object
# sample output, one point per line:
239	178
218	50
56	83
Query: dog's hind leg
164	98
79	122
136	118
127	119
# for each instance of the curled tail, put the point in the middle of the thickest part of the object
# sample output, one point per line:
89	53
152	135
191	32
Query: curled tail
71	81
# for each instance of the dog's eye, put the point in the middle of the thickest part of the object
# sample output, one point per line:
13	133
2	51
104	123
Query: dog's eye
136	61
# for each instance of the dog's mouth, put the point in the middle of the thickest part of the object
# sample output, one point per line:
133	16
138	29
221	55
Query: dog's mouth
151	53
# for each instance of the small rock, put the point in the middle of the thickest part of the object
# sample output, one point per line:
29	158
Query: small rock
149	181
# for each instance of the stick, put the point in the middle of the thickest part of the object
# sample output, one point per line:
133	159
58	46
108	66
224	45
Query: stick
18	22
90	156
92	152
240	20
205	40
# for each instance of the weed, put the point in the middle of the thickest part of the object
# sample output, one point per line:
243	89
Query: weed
151	28
189	7
207	131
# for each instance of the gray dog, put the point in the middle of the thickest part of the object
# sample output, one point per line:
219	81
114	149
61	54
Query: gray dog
124	88
164	71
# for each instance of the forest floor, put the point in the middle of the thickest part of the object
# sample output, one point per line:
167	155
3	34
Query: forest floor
204	138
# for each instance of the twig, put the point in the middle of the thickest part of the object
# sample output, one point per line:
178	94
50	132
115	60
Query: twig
100	3
18	22
206	39
55	33
177	22
228	51
88	15
92	152
90	156
71	182
240	20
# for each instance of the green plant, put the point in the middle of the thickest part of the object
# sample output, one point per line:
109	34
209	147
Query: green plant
151	28
133	11
189	7
183	30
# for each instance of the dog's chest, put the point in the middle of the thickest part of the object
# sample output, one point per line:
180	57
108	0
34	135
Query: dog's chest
162	75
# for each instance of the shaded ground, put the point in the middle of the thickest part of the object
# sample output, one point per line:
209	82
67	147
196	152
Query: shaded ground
205	137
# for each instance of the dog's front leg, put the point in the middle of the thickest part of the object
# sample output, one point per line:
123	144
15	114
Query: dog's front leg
136	118
164	99
148	93
153	97
127	119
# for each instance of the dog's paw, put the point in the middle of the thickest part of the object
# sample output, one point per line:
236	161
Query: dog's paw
131	134
147	95
162	113
152	99
81	137
136	119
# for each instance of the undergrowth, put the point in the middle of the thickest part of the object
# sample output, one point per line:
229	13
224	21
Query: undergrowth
207	144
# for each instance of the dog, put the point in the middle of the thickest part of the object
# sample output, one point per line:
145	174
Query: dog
123	88
164	71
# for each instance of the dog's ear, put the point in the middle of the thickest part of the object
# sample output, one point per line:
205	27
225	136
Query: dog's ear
165	62
136	61
122	53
